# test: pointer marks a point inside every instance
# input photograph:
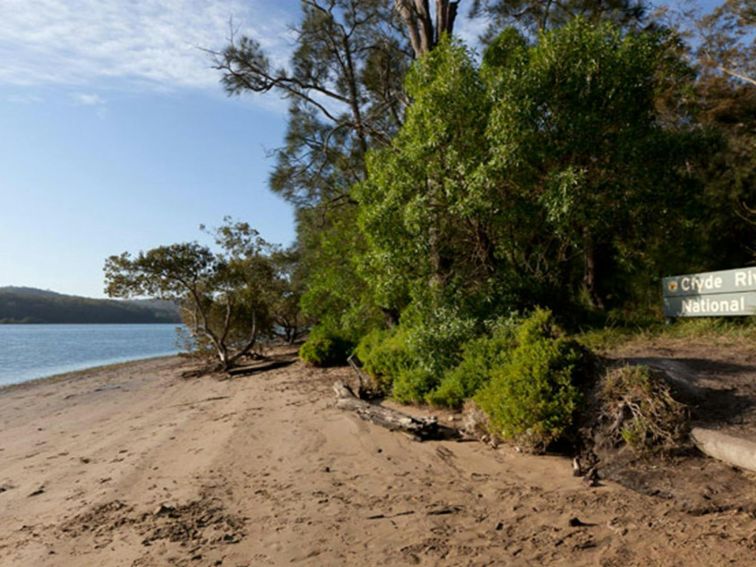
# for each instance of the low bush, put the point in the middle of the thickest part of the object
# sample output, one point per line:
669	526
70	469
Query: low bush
409	360
387	359
434	337
533	397
636	407
479	357
412	384
326	347
384	355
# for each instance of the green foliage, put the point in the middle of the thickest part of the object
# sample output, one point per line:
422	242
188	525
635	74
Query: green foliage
432	342
343	84
418	203
326	347
569	168
575	133
435	336
531	180
532	397
384	355
335	293
412	384
227	296
411	358
480	357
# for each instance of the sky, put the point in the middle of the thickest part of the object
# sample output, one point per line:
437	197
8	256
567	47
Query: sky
115	134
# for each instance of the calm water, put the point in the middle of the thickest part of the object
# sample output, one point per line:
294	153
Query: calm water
34	351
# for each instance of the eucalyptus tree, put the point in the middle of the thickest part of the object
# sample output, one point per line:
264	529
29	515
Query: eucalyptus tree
575	131
532	16
227	297
425	28
725	104
344	89
546	175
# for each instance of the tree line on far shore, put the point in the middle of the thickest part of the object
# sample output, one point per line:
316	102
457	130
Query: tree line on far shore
24	305
454	205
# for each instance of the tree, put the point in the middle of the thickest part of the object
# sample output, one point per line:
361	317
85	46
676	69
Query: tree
725	104
288	285
425	224
726	43
345	94
344	90
226	297
344	85
336	294
575	131
545	176
533	16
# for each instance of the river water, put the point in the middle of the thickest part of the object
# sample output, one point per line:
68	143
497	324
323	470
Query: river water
35	351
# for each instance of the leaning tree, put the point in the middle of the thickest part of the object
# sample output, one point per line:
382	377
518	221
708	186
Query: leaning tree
225	296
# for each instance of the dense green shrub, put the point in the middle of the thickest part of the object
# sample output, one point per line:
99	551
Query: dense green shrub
532	398
409	360
384	355
479	357
412	384
435	335
326	347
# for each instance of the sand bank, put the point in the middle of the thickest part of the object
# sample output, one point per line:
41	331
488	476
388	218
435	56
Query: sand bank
133	465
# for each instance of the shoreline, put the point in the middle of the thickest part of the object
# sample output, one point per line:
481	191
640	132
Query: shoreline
81	373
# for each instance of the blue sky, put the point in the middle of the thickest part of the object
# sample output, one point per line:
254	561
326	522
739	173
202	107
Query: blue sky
117	136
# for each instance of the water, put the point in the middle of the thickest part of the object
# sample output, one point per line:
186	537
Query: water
35	351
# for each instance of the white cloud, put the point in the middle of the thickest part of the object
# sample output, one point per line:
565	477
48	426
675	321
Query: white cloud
88	99
143	44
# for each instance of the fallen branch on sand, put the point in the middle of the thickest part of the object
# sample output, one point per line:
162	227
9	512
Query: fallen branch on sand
420	429
260	367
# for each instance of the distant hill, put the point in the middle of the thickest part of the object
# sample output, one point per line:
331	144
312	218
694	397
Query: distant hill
30	305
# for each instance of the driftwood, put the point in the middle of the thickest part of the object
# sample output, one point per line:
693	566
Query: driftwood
365	387
259	367
420	429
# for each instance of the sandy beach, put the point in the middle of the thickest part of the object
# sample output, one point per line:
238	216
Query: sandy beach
133	465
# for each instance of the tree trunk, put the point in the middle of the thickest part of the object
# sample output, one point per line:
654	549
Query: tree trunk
589	273
224	360
421	429
423	34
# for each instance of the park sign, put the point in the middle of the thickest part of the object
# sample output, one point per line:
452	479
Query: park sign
711	294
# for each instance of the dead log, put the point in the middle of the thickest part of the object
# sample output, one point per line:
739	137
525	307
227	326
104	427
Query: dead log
259	367
420	429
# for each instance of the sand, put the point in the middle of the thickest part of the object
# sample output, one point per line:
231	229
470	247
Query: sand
133	465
